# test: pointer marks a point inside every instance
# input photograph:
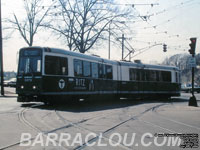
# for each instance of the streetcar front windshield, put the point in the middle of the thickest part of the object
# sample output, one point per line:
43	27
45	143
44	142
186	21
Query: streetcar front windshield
30	62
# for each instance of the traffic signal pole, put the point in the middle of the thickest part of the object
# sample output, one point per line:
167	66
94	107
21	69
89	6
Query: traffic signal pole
192	100
193	55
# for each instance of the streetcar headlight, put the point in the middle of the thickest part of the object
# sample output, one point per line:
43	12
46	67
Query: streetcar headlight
34	87
22	87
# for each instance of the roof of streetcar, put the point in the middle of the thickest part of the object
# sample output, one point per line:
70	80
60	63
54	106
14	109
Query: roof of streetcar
103	60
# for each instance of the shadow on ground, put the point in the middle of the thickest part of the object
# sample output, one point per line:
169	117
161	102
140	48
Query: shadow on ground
99	105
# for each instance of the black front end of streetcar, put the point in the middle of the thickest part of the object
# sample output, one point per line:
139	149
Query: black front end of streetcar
29	76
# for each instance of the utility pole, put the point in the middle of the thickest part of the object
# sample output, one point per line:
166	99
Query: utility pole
123	38
109	36
109	42
123	46
1	55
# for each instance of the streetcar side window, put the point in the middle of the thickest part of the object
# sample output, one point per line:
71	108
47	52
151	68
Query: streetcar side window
136	74
132	74
63	66
149	75
109	72
101	70
158	76
56	65
143	75
86	69
147	72
152	75
95	73
78	67
166	76
177	77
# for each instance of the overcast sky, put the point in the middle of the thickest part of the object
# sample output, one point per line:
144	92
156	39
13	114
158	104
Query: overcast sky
171	22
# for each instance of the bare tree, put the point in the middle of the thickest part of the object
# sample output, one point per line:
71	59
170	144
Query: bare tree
82	22
28	26
182	61
178	60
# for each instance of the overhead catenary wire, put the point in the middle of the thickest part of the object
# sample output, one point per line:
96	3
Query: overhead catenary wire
167	34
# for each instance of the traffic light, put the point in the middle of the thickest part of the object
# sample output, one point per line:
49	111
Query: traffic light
192	45
164	48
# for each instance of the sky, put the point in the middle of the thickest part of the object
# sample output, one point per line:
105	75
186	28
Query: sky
170	22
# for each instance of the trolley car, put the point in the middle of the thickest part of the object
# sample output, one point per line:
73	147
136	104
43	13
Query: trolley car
53	75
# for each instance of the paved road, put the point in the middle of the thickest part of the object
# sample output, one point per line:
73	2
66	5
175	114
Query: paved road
10	91
124	124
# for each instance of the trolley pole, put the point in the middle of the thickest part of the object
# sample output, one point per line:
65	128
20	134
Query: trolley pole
1	55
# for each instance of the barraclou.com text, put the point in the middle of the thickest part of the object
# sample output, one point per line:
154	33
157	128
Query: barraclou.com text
92	139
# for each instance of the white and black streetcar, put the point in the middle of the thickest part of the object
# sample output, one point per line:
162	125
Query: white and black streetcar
53	75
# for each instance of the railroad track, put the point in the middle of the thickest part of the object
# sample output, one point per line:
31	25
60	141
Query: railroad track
101	135
23	120
79	125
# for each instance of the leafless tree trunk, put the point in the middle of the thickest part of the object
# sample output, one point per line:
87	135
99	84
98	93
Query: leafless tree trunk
35	14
